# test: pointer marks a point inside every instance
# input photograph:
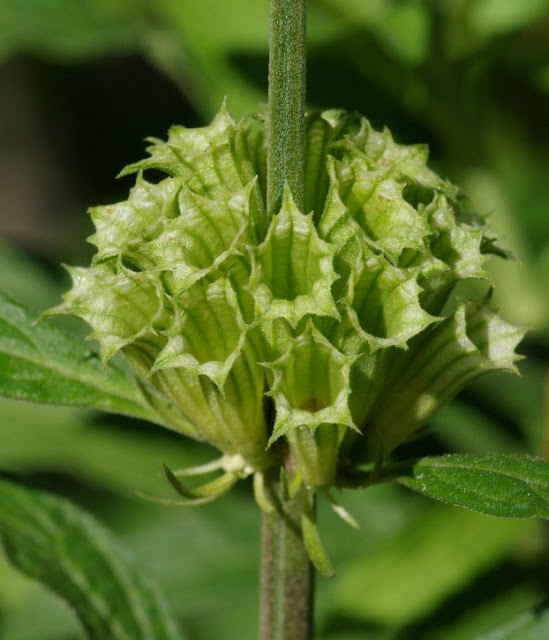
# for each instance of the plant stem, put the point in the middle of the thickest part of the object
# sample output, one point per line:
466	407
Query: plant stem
286	571
287	579
286	120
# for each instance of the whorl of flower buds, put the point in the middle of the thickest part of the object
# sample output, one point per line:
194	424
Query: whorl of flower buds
331	333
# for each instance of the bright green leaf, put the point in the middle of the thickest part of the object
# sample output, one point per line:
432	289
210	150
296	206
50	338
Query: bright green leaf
52	541
511	486
42	363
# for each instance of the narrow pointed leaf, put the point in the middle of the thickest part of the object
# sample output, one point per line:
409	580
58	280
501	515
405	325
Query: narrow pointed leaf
54	542
511	486
212	489
313	544
42	363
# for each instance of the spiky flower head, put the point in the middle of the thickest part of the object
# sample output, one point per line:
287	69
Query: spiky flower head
330	334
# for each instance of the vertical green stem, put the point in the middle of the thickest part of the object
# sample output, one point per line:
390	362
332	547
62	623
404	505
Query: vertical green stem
286	571
287	579
287	63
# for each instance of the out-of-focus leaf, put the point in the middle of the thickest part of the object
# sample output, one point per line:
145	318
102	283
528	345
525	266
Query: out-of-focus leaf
511	486
400	27
63	547
197	555
533	625
358	11
431	559
23	279
42	363
519	292
63	29
201	43
223	550
50	619
195	45
466	429
541	79
362	634
498	600
519	401
121	459
496	17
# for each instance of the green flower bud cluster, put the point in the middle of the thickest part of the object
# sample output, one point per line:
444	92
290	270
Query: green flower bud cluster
330	335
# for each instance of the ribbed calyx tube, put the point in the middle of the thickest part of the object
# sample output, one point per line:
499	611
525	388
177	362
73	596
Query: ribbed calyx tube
342	315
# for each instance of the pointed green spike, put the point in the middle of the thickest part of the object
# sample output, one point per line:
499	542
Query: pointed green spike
313	543
341	511
201	469
170	502
212	489
261	493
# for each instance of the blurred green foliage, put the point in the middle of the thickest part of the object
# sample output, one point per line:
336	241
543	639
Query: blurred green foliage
471	78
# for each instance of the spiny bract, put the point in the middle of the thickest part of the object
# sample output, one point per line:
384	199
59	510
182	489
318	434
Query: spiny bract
341	317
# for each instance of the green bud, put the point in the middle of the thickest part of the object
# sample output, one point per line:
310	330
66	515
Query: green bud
340	316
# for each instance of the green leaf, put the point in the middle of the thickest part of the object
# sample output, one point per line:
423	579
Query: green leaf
409	571
24	279
492	18
42	363
64	29
511	486
59	545
401	27
483	433
533	625
117	457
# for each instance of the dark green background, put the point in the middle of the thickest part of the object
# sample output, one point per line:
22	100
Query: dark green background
82	83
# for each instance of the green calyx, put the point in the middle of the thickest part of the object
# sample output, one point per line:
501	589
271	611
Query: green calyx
327	335
311	389
293	270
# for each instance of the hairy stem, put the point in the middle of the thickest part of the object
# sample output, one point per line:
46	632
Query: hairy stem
286	571
287	578
287	62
